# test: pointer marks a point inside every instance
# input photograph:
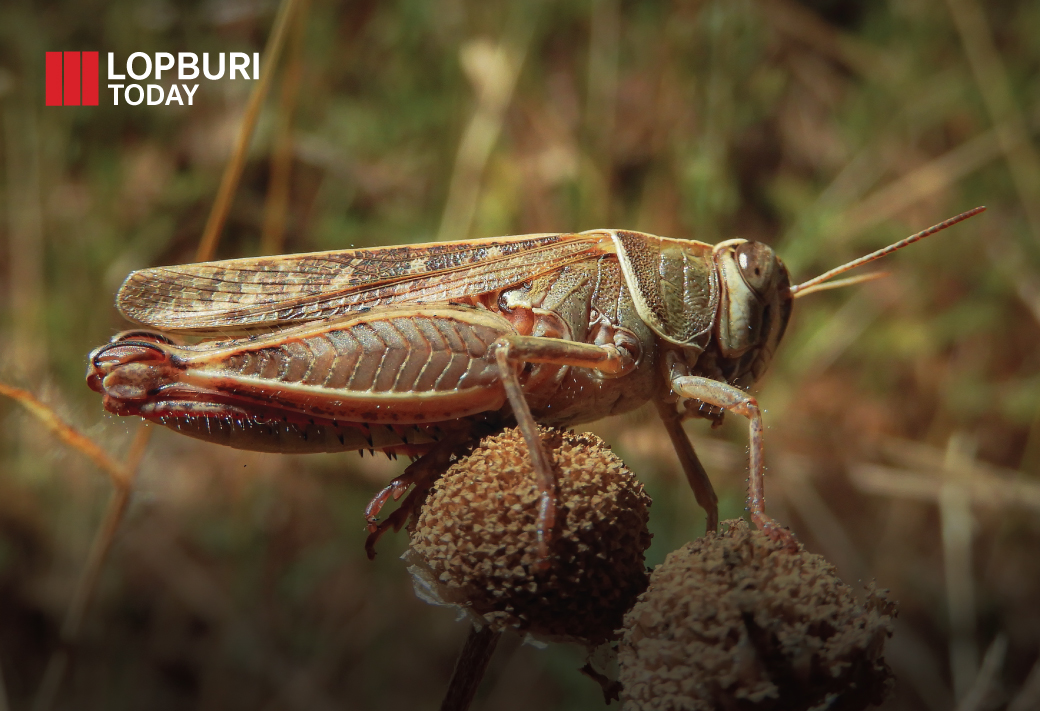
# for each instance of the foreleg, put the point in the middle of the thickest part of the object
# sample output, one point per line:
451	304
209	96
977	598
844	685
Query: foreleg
739	402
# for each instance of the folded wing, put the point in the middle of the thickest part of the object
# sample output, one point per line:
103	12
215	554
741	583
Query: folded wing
243	294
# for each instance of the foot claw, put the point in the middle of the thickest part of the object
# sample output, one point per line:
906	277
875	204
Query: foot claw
777	533
397	518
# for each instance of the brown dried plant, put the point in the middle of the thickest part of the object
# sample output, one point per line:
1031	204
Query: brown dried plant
474	544
122	475
736	620
731	620
904	439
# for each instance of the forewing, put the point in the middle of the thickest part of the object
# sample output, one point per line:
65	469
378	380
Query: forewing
241	294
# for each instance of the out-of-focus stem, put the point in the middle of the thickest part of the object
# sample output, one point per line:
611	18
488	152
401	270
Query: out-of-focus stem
100	548
233	171
118	473
276	207
470	667
70	629
1010	125
601	109
957	522
493	69
25	293
991	666
1029	695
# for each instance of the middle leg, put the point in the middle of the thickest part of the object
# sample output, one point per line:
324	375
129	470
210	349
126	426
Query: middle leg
703	491
510	353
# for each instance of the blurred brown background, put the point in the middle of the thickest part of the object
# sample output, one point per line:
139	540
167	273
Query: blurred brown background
904	415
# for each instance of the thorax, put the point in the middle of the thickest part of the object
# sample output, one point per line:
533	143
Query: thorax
586	302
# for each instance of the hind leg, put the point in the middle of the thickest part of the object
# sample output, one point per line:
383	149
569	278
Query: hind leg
421	474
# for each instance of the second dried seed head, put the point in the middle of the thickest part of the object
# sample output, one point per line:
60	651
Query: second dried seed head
736	620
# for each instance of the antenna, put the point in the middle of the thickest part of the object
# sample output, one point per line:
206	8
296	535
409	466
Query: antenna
813	284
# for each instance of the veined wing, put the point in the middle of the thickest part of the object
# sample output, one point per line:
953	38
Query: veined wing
241	294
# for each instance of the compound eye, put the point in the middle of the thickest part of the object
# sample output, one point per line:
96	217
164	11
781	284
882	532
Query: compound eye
757	264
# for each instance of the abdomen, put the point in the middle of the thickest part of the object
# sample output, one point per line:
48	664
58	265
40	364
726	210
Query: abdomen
382	379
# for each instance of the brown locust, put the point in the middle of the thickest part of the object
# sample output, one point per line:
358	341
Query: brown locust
422	349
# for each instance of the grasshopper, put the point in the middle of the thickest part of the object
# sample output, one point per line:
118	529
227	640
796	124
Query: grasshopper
419	350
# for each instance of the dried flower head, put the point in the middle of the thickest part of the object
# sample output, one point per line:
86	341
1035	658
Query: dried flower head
736	620
474	544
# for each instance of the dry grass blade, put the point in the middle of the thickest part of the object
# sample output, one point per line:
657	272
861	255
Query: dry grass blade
1029	695
233	171
158	548
100	547
1009	125
986	484
991	665
912	659
957	522
122	480
796	20
119	473
276	207
58	663
1008	257
826	528
964	483
122	475
957	536
932	177
493	69
4	705
983	487
840	332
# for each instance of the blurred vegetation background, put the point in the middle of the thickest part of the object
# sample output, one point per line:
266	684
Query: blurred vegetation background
903	415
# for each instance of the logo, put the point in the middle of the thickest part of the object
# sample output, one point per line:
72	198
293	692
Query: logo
72	77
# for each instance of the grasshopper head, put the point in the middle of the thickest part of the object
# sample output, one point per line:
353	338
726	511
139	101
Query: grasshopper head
756	296
754	307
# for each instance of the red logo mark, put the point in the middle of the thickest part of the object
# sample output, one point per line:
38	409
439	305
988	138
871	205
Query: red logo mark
72	79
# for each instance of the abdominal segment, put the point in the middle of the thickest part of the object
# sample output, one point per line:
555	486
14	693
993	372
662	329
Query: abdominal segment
273	431
386	379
